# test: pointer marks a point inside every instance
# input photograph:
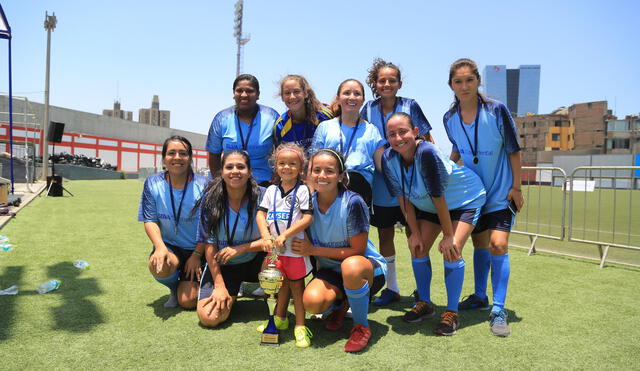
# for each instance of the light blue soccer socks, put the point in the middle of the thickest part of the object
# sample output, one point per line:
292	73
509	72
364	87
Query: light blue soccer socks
481	266
359	302
453	279
422	273
500	269
170	281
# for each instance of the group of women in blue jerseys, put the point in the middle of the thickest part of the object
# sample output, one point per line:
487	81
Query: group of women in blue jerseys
311	181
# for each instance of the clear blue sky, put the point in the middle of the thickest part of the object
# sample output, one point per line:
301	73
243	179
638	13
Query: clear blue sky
185	51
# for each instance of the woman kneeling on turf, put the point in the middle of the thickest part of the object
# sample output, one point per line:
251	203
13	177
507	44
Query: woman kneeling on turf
349	267
230	237
165	209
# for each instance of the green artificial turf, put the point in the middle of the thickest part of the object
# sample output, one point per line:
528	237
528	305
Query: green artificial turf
563	312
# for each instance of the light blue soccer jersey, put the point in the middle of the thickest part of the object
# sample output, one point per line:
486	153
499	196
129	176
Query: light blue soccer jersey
348	216
497	138
155	206
432	175
224	136
300	133
246	230
372	113
359	155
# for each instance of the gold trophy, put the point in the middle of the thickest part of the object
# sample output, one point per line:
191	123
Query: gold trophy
271	281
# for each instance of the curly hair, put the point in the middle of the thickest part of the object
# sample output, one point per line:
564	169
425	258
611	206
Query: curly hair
286	147
372	78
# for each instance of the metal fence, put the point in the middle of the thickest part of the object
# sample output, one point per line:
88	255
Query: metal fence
541	187
603	210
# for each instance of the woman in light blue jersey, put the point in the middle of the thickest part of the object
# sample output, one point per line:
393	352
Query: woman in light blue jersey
349	267
246	126
435	195
304	112
385	80
484	138
166	208
229	236
354	138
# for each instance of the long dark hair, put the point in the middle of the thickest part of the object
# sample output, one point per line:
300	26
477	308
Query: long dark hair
214	198
464	62
183	140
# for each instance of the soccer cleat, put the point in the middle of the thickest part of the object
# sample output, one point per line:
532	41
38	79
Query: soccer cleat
473	301
448	323
421	310
386	297
336	318
358	339
498	323
303	336
281	324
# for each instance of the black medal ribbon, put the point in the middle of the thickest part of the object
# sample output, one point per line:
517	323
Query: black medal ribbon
293	203
353	134
474	150
402	177
226	226
176	218
245	141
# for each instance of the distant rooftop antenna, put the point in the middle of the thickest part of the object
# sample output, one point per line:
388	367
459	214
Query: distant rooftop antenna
237	33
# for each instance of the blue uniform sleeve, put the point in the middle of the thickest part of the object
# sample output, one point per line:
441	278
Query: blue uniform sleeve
358	220
277	129
318	138
203	234
434	173
214	139
147	211
376	140
324	114
510	136
394	187
364	112
445	120
419	119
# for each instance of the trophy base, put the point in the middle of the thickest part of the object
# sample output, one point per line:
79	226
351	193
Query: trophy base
269	339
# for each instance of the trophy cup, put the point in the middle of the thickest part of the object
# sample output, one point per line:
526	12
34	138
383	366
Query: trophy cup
271	280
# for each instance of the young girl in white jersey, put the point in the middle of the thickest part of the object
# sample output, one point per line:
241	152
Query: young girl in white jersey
285	212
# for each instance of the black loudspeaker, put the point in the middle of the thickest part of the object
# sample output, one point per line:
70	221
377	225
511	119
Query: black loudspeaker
54	185
56	129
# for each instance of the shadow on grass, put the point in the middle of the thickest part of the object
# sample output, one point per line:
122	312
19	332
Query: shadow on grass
12	276
323	338
164	313
77	313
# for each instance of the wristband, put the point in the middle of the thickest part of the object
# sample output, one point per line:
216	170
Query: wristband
196	253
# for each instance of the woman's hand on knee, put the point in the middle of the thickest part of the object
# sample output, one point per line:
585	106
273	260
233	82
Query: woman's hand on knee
159	258
449	249
415	244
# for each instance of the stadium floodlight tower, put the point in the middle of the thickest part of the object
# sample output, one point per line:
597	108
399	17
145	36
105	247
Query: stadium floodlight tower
50	22
237	32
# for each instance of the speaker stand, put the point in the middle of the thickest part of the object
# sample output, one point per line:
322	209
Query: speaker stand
53	174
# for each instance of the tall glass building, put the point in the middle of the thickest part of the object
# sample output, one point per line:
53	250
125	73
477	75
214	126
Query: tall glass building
518	88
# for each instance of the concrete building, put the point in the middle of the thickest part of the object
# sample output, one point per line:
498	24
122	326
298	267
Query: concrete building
117	112
623	136
552	132
125	144
518	88
154	116
581	128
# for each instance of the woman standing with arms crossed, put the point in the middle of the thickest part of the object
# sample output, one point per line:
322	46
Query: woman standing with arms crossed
358	141
385	80
484	137
304	112
349	267
166	210
229	236
435	195
246	126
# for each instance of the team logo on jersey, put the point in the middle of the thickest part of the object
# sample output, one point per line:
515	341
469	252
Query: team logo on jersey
289	199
